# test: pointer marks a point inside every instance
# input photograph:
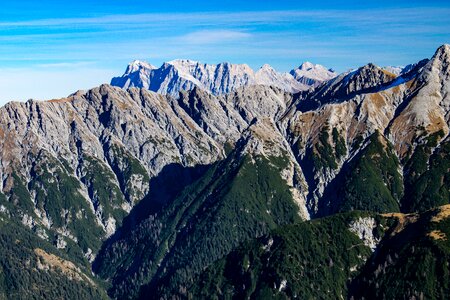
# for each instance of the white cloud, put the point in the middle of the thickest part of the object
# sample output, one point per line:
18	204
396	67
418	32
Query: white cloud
213	36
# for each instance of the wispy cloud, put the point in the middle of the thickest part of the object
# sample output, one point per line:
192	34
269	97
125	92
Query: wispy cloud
163	19
166	18
219	18
213	36
66	65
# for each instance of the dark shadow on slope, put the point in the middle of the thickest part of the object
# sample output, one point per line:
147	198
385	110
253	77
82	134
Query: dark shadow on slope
163	189
202	224
369	182
331	201
230	207
308	169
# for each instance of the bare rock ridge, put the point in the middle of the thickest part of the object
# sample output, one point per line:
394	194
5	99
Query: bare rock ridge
182	74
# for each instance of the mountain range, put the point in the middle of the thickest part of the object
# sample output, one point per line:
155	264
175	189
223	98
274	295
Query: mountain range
215	181
183	75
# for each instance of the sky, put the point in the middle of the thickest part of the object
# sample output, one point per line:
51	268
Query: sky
50	49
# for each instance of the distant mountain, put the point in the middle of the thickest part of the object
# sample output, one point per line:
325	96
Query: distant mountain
178	75
312	74
398	70
135	194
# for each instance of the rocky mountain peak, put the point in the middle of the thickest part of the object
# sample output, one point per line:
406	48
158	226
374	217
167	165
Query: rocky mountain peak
413	69
396	70
312	74
234	69
138	65
366	77
136	74
266	70
443	52
267	67
370	67
267	75
182	64
183	61
441	59
437	70
308	66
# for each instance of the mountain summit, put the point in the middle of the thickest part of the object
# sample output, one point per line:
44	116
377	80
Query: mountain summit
312	74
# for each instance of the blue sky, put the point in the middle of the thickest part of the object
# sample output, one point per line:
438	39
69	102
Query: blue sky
49	49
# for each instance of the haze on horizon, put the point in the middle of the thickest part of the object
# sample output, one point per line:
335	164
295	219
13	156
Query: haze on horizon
50	50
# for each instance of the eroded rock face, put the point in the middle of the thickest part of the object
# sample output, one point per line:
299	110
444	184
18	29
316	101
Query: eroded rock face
363	228
263	139
103	145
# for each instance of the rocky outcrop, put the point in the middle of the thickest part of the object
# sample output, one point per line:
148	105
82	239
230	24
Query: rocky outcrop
363	228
